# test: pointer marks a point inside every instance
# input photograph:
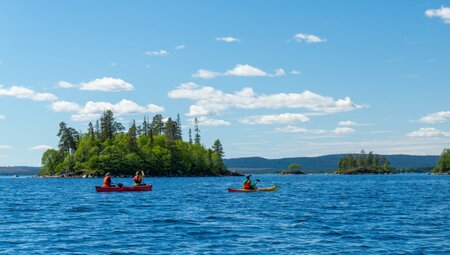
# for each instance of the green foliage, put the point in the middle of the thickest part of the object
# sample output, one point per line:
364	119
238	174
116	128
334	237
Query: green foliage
443	166
363	164
153	148
293	169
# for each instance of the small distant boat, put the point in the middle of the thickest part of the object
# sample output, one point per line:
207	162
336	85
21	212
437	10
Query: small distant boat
124	188
273	188
15	175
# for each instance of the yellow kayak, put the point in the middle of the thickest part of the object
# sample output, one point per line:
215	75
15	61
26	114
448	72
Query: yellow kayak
273	188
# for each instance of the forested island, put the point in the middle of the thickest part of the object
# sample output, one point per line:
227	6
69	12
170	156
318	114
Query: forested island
364	164
155	147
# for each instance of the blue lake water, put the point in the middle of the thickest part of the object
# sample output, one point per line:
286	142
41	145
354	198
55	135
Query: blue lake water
312	214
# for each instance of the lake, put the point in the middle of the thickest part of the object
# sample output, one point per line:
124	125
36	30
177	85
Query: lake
311	214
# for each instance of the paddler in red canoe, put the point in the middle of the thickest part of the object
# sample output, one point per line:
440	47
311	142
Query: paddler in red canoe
138	178
107	180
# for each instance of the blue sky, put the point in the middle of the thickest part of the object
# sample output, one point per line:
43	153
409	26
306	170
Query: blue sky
268	78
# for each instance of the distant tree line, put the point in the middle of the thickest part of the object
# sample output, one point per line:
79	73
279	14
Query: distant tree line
293	169
363	163
155	146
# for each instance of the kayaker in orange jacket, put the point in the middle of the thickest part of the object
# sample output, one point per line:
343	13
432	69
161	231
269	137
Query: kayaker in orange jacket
138	178
107	180
248	184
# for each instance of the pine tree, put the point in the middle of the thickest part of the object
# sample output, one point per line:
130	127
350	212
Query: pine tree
91	132
157	125
197	132
132	137
179	134
190	136
67	138
218	148
170	130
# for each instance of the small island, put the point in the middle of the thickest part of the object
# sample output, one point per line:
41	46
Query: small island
364	164
155	147
293	169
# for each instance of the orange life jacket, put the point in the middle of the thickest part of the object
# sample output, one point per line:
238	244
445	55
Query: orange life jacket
248	184
107	181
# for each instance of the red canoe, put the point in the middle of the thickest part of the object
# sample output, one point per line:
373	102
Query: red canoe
123	188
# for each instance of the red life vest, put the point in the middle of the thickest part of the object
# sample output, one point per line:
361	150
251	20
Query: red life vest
107	181
247	184
137	179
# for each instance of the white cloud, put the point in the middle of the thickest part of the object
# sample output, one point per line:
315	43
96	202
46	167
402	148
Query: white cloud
238	70
25	93
227	39
65	85
211	101
308	38
160	53
41	147
92	110
205	74
348	123
245	70
443	13
438	117
342	130
295	72
280	72
2	117
107	84
5	147
205	121
65	106
180	47
428	132
294	129
275	119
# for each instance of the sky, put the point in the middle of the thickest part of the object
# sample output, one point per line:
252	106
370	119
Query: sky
273	79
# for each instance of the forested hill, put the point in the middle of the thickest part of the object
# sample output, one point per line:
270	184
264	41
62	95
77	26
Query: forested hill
320	163
18	170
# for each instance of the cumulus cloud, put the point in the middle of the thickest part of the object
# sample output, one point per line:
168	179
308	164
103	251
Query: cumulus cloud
443	13
2	117
92	110
245	70
295	129
308	38
65	85
438	117
180	47
107	84
295	72
65	106
159	53
5	147
41	147
210	101
275	119
428	132
26	93
280	72
205	74
238	70
227	39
